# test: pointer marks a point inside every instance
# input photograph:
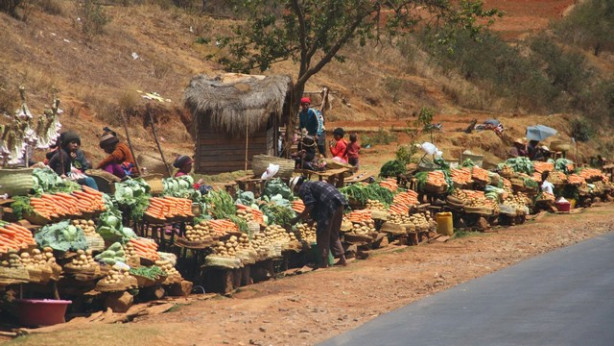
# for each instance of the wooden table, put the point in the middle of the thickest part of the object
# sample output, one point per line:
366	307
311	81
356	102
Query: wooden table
333	176
360	177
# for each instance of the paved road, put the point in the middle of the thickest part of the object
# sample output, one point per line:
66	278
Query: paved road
565	297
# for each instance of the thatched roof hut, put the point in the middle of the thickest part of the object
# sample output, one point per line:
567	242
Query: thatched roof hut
235	117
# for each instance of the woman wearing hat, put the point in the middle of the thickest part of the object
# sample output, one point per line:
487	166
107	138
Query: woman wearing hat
339	148
325	204
120	162
68	161
519	148
308	118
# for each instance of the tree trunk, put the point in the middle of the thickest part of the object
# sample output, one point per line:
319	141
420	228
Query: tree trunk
295	103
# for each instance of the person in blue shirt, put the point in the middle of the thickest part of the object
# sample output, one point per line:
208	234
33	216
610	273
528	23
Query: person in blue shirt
308	118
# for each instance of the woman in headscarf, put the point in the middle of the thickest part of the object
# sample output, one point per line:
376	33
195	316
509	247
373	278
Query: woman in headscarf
68	161
184	166
120	161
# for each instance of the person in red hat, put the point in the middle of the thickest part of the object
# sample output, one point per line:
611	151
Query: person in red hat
308	118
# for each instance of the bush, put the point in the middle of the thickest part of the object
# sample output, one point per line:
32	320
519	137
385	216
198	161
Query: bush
10	6
581	130
589	25
92	16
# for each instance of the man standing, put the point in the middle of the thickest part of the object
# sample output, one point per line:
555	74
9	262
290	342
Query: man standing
307	118
325	204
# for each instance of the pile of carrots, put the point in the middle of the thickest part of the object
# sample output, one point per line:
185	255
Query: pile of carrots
480	174
144	248
590	173
575	179
14	237
258	216
298	206
507	184
168	207
358	216
436	178
461	176
543	166
223	226
390	184
402	209
408	198
62	204
537	177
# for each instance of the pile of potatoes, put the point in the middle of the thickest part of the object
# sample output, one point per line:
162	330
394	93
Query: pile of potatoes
168	268
88	226
228	248
115	276
398	219
245	215
276	234
375	205
305	232
12	260
364	227
199	232
83	260
420	221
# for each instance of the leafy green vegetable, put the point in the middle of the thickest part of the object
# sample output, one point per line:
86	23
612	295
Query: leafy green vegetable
221	204
561	165
392	169
151	273
110	226
114	253
520	164
277	214
21	206
47	181
277	186
181	187
61	236
246	198
133	195
467	163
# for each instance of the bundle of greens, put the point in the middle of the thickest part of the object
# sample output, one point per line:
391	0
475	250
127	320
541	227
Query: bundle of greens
392	169
246	198
277	215
151	273
519	164
355	192
181	187
220	204
363	193
562	165
133	195
467	163
61	236
278	187
21	206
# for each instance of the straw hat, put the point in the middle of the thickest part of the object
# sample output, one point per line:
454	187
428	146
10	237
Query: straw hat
520	141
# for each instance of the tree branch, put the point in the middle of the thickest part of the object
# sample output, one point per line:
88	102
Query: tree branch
302	35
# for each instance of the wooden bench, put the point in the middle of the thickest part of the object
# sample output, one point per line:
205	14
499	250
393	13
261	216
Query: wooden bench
360	177
335	177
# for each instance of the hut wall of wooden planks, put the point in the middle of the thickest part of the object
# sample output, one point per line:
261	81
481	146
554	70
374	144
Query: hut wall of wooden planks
236	117
217	152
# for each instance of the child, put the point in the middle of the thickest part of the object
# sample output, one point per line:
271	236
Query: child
339	146
352	150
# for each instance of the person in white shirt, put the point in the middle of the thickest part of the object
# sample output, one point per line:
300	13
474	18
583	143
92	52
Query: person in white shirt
546	185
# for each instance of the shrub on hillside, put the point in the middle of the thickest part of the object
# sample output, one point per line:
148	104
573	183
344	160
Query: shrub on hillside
589	25
92	17
581	130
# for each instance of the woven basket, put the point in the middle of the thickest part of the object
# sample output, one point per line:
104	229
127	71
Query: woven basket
155	183
260	163
105	180
16	182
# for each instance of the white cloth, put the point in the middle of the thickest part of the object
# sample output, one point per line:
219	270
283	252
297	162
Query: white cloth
548	187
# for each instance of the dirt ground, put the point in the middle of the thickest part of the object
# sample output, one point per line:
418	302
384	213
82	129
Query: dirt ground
308	308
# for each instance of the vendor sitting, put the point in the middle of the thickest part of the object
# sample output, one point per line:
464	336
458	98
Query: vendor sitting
69	162
519	149
307	150
120	161
184	166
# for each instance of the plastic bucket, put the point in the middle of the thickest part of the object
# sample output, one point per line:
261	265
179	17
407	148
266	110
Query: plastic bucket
444	223
41	312
315	252
563	206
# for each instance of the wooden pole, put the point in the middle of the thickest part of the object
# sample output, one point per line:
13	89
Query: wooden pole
153	129
136	164
246	142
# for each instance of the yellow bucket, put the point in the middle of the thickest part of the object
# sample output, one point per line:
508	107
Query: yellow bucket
573	203
444	223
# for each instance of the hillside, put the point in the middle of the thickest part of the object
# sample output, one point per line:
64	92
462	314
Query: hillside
158	48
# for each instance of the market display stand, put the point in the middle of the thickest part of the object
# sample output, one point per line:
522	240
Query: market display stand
335	176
